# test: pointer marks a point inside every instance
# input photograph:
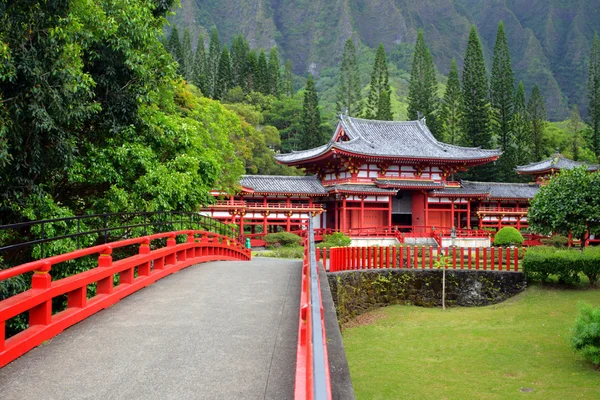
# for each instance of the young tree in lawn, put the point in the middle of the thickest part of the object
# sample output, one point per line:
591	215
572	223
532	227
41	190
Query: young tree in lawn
378	102
567	204
537	118
348	92
451	109
422	89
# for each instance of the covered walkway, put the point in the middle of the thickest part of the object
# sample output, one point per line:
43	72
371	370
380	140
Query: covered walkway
219	330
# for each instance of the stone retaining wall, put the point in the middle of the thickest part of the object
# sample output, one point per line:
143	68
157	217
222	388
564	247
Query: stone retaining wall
355	292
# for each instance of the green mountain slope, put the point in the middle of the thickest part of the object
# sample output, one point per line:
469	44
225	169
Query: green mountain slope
549	39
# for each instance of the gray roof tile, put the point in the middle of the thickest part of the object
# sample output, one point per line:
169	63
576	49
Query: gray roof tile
407	183
557	161
499	190
402	139
360	189
284	184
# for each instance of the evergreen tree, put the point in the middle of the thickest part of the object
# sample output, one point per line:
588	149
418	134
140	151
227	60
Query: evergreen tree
501	98
575	127
251	71
212	62
199	74
348	93
287	82
188	56
537	117
311	117
378	102
176	49
476	107
422	89
594	94
451	109
239	51
263	73
274	73
225	77
521	129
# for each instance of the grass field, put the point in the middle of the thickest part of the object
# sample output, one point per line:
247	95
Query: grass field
495	352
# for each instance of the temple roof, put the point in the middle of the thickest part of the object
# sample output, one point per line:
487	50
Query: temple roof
361	189
261	184
503	190
408	184
554	163
390	139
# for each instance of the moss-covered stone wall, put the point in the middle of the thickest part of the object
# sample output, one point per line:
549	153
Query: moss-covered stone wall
355	292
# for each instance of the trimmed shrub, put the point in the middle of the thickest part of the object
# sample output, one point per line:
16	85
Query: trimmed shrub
555	241
508	236
540	262
336	239
285	239
590	263
586	333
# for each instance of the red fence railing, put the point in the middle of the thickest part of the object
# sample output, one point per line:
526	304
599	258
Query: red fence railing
312	363
135	272
423	257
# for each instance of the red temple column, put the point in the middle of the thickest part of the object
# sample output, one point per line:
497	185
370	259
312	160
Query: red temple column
468	213
265	215
336	221
289	214
452	213
390	211
426	210
344	217
362	211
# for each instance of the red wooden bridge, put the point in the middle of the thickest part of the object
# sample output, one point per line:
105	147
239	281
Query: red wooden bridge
211	323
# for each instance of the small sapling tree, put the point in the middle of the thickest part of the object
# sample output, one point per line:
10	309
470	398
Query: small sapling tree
443	262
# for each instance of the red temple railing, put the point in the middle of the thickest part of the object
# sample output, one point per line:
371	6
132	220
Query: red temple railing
502	210
423	257
150	266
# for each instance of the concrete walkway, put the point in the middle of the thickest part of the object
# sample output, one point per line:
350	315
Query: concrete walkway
221	330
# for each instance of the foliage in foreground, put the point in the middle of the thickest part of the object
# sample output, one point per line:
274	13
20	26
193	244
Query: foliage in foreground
541	262
336	239
284	252
586	334
508	236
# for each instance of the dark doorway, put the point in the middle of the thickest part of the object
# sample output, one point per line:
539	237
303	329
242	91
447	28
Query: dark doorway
402	219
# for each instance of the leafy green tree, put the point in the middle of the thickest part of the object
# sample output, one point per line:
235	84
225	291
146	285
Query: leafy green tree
212	62
378	102
476	107
422	89
594	94
521	130
239	51
262	78
348	91
286	116
251	71
567	204
274	73
502	87
287	81
225	77
312	130
188	56
537	116
176	49
451	109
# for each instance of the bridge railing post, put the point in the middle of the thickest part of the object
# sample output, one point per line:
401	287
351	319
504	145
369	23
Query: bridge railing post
144	269
41	280
105	285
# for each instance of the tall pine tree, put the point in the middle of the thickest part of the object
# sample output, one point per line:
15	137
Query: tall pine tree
476	107
576	127
274	72
312	132
199	74
225	76
251	71
287	82
239	51
348	92
262	78
212	62
378	102
450	120
188	56
176	49
502	87
537	117
422	89
594	94
521	129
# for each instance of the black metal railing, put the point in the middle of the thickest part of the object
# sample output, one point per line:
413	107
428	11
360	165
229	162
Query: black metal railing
18	240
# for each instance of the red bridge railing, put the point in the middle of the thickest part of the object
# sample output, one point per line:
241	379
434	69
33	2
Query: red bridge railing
312	363
135	272
423	257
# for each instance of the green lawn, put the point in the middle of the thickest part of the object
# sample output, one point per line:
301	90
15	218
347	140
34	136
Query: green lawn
407	352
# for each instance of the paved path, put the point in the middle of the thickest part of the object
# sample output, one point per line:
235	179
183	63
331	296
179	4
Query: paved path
221	330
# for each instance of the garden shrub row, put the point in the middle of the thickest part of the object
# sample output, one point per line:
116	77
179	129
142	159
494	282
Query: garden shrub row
285	239
567	264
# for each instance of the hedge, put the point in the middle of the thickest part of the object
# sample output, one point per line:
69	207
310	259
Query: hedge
508	236
336	239
567	264
284	239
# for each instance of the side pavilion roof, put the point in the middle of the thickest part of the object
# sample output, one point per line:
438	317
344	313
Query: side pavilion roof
276	184
503	191
392	140
554	163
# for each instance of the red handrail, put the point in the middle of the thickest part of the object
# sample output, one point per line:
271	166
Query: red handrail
151	266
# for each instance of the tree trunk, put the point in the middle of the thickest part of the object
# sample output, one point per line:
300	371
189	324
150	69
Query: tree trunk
444	289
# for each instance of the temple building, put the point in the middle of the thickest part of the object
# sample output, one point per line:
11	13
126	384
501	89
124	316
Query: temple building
543	170
382	176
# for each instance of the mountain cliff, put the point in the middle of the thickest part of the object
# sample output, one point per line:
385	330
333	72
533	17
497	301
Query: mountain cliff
549	39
